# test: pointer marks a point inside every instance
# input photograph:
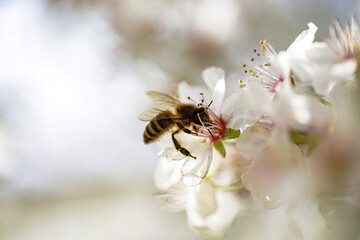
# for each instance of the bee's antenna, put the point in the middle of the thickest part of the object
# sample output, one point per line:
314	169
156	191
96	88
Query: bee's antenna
210	104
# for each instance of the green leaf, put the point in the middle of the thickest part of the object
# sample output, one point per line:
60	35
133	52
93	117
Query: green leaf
219	146
313	143
232	133
298	137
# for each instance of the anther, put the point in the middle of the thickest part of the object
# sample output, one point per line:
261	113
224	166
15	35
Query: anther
263	49
244	65
252	59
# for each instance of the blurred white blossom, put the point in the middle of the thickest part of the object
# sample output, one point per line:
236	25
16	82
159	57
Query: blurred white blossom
345	41
212	205
297	153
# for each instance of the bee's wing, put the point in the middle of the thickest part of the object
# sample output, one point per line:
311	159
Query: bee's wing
162	100
149	114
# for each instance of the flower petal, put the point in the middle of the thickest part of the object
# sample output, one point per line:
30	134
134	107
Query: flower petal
221	210
167	173
212	75
202	198
195	170
167	149
253	140
185	90
320	66
174	199
214	78
298	110
304	40
276	175
245	106
228	172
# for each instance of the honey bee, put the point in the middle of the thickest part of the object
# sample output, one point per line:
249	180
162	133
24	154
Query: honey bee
175	116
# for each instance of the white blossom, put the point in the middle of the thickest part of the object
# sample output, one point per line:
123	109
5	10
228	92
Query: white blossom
238	111
296	152
211	205
345	41
318	66
273	68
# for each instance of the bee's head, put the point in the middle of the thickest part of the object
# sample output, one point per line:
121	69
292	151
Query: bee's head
201	116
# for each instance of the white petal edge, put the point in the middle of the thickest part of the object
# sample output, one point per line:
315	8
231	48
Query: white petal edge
212	75
246	106
214	78
195	170
214	225
167	173
185	90
305	39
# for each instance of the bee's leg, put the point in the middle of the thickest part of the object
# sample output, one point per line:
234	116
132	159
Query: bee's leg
179	147
185	130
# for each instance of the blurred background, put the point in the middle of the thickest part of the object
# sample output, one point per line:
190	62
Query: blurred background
73	76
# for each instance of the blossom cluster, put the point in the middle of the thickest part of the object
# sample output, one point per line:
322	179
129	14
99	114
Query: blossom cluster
285	139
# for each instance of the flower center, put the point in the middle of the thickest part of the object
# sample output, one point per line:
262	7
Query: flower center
264	71
219	128
215	130
212	127
345	41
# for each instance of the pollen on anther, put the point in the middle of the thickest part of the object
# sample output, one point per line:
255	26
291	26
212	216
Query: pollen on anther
189	98
244	65
246	71
252	59
263	49
254	50
265	41
239	81
258	54
261	42
201	93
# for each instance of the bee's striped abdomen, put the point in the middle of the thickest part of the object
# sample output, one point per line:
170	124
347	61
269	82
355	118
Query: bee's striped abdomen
159	125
